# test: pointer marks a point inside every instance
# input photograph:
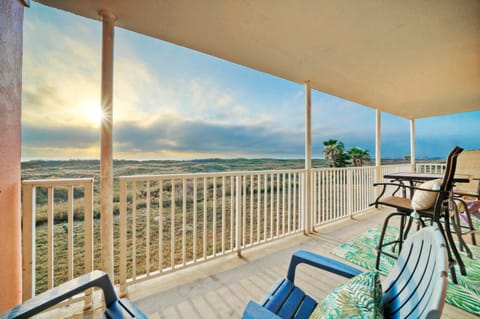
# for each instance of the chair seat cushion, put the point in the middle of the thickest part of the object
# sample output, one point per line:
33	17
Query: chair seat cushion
397	202
422	200
360	297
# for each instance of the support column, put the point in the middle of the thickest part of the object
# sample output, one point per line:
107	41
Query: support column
106	149
11	43
308	159
412	145
378	151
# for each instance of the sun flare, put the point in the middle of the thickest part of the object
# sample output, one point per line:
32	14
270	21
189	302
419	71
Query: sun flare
93	113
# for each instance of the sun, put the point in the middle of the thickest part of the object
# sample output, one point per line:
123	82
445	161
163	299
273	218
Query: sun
92	113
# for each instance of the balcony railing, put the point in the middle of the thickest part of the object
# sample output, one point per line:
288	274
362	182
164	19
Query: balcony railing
169	222
65	248
436	168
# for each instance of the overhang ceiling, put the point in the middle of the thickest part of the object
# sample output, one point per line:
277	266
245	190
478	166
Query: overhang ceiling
411	58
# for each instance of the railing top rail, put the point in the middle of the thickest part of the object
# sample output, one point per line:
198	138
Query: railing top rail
217	174
58	181
240	173
353	168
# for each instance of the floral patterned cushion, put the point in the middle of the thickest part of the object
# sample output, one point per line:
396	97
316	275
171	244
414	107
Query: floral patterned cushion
360	297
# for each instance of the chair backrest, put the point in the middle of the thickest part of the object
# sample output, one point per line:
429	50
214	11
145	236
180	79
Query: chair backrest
447	181
468	163
416	286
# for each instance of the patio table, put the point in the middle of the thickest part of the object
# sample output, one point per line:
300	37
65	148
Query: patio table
413	178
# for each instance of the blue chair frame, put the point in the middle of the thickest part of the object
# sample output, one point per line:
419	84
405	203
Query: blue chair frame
114	308
415	288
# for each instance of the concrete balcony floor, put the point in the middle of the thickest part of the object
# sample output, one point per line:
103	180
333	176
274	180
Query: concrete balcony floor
222	288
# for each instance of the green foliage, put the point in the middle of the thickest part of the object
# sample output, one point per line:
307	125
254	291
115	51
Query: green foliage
359	156
334	150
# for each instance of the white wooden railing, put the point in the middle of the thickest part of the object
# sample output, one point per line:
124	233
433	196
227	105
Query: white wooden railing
168	222
437	168
72	248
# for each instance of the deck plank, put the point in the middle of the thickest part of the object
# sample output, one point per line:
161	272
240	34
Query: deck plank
221	289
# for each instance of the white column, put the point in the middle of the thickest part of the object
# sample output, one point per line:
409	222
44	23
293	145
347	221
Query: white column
378	153
106	156
412	144
308	158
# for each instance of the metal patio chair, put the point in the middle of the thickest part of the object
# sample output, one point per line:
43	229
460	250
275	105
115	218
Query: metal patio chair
415	288
438	213
114	308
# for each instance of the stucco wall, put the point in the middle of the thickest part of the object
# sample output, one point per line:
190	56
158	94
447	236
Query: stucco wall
11	33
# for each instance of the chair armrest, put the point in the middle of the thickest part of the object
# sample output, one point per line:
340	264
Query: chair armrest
69	289
409	187
320	262
459	192
124	308
255	311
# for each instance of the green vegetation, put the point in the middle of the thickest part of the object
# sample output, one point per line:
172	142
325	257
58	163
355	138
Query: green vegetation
334	150
358	156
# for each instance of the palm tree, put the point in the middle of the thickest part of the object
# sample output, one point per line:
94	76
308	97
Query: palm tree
358	155
334	150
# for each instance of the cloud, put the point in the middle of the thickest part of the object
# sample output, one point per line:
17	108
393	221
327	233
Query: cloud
169	102
202	137
170	135
60	137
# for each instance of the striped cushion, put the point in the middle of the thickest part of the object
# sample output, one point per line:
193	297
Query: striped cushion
360	297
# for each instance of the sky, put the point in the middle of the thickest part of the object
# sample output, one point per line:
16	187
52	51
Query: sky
171	102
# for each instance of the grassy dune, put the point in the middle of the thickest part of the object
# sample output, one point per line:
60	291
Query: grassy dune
90	168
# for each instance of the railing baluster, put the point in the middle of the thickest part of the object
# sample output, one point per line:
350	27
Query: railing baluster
278	206
223	214
259	194
283	204
251	208
289	203
314	198
294	202
244	209
160	225
237	216
324	196
271	205
265	199
123	238
214	216
147	230
172	225
70	232
88	233
195	219
232	212
134	230
184	221
50	222
205	212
